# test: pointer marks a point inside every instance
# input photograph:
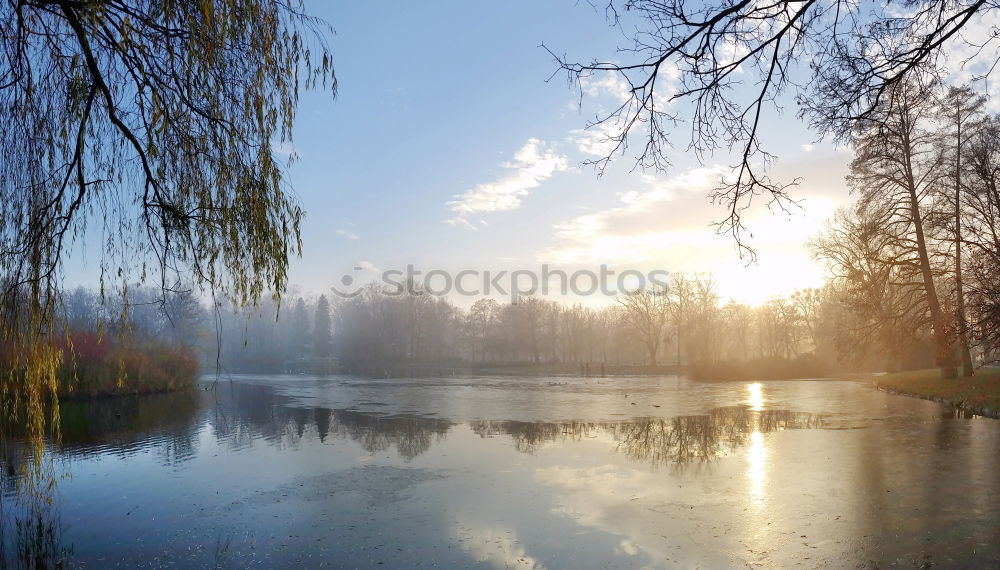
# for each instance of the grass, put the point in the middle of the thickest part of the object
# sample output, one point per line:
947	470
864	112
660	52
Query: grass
981	390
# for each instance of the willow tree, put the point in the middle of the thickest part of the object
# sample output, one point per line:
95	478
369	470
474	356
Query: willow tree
155	129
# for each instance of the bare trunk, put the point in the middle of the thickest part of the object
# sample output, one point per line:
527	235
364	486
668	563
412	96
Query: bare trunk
963	333
945	355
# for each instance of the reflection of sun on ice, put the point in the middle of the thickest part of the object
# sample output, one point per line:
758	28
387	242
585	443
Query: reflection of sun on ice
756	472
756	454
756	397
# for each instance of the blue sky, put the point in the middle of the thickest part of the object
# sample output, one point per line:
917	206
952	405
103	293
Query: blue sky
437	100
447	148
453	145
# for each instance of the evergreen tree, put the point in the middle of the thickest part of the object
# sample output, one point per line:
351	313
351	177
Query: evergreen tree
300	329
322	336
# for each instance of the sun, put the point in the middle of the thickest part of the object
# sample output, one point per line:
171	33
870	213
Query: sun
776	275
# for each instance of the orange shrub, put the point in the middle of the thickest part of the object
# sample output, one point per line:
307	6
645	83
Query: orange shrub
108	365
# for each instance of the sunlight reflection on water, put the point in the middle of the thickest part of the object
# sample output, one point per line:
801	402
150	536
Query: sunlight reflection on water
502	472
756	397
756	470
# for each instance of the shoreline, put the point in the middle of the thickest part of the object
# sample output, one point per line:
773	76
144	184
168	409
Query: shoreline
110	395
984	411
978	395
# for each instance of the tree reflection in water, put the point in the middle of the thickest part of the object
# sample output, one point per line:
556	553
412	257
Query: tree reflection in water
260	413
660	441
169	427
32	536
702	437
244	413
241	414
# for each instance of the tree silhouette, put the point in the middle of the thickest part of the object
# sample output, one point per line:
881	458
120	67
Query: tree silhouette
322	335
726	62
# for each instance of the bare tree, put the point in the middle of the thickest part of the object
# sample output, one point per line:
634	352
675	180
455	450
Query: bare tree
645	313
963	109
840	58
895	171
870	258
982	234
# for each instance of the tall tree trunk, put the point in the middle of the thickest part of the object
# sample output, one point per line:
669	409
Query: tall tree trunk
942	341
963	332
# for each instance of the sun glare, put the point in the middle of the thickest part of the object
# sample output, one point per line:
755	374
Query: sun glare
755	398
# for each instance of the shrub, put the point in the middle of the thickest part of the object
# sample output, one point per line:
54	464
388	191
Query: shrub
105	365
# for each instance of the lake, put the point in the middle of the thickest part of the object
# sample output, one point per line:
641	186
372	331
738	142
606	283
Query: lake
265	471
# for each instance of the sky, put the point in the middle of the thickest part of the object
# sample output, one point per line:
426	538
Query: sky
452	145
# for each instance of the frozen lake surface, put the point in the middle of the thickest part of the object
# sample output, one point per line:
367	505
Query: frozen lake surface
264	471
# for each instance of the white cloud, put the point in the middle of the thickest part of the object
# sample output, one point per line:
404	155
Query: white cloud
533	163
730	52
596	140
633	231
347	234
495	545
664	224
608	93
285	149
606	84
975	50
808	147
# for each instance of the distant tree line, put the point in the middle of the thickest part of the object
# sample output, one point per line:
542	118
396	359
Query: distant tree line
296	336
683	324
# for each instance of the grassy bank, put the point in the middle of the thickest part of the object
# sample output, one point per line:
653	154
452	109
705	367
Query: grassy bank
981	393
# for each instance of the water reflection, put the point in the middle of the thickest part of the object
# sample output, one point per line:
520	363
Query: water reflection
718	433
239	415
250	413
662	441
757	452
124	426
269	470
164	424
757	459
32	536
755	399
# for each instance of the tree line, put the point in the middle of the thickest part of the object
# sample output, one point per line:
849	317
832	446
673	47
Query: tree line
686	323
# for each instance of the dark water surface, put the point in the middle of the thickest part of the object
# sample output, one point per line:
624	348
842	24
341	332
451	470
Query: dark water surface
297	471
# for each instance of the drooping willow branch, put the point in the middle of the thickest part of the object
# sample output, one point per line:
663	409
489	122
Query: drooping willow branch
148	127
